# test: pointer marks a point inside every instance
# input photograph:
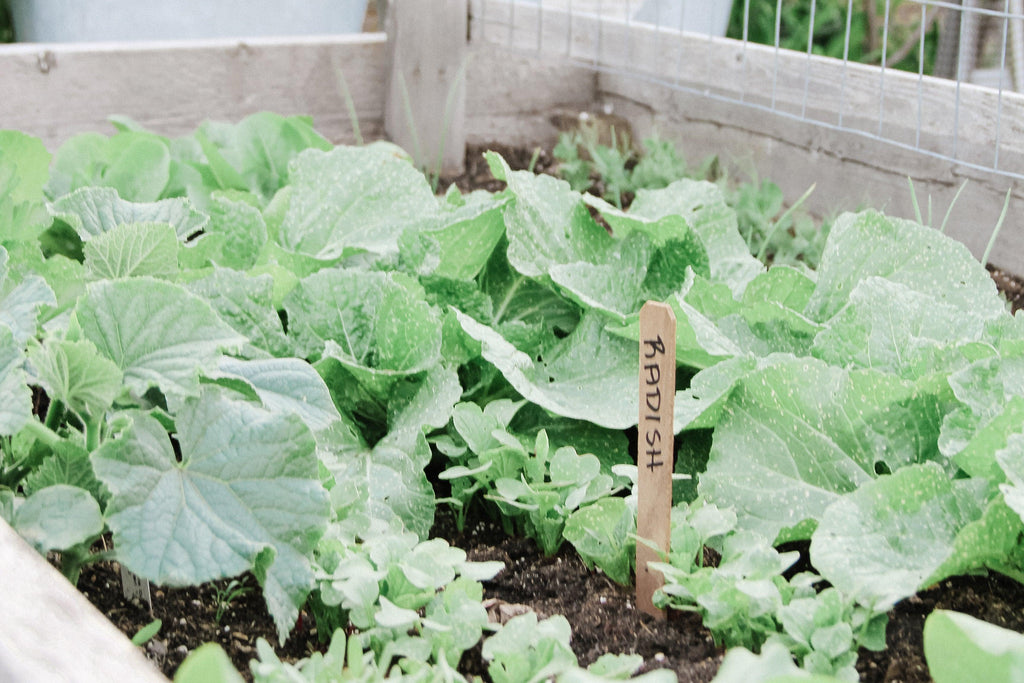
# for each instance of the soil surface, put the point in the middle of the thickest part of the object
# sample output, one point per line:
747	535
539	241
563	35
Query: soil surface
601	613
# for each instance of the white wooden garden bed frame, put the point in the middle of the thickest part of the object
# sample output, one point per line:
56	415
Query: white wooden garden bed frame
462	86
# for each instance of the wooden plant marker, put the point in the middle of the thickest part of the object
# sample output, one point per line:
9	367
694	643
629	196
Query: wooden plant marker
136	587
655	448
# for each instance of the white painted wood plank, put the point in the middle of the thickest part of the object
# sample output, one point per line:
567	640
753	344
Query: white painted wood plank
50	632
56	90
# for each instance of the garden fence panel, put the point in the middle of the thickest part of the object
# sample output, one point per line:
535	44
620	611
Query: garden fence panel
815	91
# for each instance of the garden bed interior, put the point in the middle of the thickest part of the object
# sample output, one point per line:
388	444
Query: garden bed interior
514	82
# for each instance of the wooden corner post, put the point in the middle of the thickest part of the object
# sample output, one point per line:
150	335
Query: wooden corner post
655	440
425	110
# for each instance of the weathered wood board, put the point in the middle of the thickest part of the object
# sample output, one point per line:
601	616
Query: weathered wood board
56	90
50	631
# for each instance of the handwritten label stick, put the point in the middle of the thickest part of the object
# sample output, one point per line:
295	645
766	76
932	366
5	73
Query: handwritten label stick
655	448
136	588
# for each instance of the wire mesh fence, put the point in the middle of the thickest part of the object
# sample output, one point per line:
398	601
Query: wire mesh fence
940	78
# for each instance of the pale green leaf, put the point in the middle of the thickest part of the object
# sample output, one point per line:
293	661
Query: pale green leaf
285	385
15	395
246	495
353	199
920	527
869	244
962	649
58	517
92	211
547	223
28	155
67	464
702	206
76	373
138	166
133	250
797	434
20	300
464	241
375	320
255	153
888	326
590	375
156	332
242	228
208	663
246	303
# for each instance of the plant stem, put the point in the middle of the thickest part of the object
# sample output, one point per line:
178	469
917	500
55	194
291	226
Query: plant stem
43	433
54	414
93	431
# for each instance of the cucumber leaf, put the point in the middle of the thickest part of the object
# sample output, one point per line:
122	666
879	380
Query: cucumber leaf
244	496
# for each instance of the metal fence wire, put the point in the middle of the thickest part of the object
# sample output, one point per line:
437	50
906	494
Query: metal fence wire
870	67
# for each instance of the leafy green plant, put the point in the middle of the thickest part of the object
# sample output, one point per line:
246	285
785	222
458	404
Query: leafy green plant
961	648
225	595
243	350
866	23
147	632
773	232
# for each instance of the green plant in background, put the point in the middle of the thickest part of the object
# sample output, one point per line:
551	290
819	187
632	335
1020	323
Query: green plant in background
774	233
6	26
867	26
227	594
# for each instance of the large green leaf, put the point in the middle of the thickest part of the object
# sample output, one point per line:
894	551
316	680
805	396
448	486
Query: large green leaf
21	299
376	326
794	436
869	244
29	156
461	246
962	649
888	326
241	227
920	527
58	517
524	311
285	385
75	373
133	250
24	170
156	332
703	207
245	495
991	393
246	303
92	211
353	199
590	375
67	464
255	153
548	223
134	163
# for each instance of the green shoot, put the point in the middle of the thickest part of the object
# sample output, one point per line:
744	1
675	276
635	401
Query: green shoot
350	105
913	200
782	219
999	226
147	633
949	211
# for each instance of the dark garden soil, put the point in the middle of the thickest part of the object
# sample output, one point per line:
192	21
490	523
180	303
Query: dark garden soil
601	613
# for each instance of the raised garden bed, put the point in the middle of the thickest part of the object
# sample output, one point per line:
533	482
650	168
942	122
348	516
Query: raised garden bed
534	115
